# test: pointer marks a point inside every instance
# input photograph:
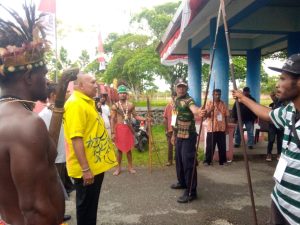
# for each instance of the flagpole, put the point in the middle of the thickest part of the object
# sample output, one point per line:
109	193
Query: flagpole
56	56
49	7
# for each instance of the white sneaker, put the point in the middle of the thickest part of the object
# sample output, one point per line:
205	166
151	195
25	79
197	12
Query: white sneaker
269	157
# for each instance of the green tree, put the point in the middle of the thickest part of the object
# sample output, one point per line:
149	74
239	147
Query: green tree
51	65
57	65
134	61
171	73
84	59
109	41
64	61
239	63
240	71
157	20
277	55
269	84
93	67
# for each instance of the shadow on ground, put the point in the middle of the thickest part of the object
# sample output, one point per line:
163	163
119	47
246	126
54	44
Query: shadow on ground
223	196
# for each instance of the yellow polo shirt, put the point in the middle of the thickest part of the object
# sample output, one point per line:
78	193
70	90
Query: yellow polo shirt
81	119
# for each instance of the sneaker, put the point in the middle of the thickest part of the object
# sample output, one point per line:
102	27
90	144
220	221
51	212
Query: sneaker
206	164
269	157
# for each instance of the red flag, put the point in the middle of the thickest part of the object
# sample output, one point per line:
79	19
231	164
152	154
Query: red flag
48	6
101	58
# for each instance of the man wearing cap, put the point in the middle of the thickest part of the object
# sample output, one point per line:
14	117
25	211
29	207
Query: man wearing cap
90	150
122	133
285	207
248	119
30	192
185	137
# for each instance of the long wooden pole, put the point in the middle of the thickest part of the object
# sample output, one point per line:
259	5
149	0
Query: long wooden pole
150	141
205	98
238	111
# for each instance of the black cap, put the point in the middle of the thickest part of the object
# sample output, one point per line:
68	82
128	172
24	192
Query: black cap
291	65
180	81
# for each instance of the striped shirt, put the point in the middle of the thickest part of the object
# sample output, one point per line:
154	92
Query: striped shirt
286	194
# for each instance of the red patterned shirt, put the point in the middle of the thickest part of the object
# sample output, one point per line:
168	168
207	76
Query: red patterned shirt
220	114
168	115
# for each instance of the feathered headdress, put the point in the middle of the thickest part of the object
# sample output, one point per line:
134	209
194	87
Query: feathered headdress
22	43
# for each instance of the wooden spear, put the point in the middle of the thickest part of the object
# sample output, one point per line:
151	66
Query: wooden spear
57	113
150	141
238	110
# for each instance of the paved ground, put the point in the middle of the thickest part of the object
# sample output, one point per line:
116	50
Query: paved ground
223	199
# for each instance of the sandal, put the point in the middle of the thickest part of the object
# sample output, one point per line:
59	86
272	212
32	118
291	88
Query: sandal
117	172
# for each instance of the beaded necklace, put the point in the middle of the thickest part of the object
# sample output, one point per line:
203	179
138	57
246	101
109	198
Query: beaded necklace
125	113
15	99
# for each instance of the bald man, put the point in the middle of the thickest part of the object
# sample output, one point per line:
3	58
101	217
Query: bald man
91	151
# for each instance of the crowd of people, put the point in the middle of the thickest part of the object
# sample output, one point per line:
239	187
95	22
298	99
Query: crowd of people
35	173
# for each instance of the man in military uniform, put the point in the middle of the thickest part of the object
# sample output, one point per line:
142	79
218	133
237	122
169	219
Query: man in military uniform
185	137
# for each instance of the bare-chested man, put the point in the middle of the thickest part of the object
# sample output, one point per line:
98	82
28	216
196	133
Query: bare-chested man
30	192
122	133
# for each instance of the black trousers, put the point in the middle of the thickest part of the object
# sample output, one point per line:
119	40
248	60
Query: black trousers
274	132
63	174
87	198
213	139
185	150
276	216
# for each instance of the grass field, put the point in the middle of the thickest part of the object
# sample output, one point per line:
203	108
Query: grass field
154	103
163	103
159	152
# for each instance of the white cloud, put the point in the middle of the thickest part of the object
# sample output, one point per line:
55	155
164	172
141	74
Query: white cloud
92	16
273	63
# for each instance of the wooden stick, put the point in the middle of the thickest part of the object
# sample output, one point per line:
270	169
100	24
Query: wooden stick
238	112
150	141
57	114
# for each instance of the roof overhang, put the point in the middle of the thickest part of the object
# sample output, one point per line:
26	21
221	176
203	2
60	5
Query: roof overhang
253	24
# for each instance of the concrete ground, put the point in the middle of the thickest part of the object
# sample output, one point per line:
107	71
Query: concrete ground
223	195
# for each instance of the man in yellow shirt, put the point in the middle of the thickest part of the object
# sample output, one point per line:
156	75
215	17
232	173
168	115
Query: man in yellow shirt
90	150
